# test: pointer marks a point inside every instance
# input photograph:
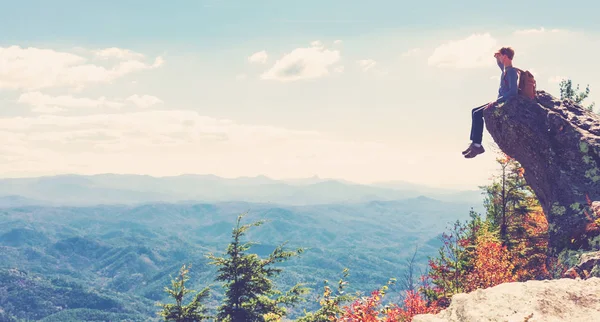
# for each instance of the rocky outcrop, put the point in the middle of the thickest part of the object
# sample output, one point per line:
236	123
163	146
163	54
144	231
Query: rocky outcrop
570	300
558	144
588	266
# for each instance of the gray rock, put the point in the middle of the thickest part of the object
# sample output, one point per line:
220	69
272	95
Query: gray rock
573	300
558	144
588	266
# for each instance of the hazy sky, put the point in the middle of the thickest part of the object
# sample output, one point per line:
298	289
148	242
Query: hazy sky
359	90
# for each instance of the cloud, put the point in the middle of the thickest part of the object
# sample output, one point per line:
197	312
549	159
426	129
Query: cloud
556	79
259	57
118	53
241	76
535	31
303	63
143	101
316	43
337	42
43	103
185	140
34	68
411	52
46	109
339	69
367	64
474	51
50	104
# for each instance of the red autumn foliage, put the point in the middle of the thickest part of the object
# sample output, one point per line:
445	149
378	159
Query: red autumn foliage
415	304
363	309
369	309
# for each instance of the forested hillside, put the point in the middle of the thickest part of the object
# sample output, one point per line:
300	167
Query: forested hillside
60	262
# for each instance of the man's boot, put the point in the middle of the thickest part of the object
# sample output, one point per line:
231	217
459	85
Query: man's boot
468	149
474	151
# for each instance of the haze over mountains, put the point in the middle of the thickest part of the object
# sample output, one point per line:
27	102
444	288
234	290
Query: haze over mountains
85	190
105	245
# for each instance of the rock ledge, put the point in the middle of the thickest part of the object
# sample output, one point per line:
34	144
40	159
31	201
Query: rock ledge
573	300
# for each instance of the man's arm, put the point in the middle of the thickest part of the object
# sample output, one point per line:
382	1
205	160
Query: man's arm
513	87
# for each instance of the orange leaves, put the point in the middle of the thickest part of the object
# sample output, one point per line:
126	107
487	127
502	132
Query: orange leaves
491	265
528	238
535	222
369	309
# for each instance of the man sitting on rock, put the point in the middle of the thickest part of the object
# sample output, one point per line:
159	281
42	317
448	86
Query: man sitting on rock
508	89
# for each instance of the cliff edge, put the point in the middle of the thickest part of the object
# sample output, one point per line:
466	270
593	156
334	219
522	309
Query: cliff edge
558	144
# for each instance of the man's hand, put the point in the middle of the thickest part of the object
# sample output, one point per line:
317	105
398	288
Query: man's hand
498	57
490	104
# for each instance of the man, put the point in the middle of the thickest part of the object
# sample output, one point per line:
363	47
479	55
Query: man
508	89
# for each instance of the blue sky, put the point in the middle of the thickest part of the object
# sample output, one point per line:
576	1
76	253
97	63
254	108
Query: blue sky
364	91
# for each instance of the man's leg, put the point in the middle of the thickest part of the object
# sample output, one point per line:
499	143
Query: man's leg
476	132
477	124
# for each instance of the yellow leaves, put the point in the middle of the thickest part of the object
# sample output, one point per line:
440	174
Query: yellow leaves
272	317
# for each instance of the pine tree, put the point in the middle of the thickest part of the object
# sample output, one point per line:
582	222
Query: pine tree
250	295
508	198
513	210
448	271
194	311
330	303
567	92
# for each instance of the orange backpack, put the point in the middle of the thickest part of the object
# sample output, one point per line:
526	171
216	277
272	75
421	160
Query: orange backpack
527	84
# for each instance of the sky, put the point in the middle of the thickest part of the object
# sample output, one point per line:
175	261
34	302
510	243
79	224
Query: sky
355	90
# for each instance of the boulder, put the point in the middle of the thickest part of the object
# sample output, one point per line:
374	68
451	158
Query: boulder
573	300
588	266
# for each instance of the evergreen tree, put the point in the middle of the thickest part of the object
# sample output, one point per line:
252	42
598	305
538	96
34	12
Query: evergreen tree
250	295
330	303
567	92
194	311
508	198
449	270
513	210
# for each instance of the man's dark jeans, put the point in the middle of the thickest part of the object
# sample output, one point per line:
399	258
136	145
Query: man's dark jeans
477	124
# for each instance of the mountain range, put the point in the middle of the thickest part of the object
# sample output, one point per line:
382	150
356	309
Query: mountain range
87	190
79	247
111	262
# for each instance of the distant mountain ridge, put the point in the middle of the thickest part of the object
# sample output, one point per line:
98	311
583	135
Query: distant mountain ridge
85	190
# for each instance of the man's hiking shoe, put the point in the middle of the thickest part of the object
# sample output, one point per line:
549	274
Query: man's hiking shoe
474	151
468	149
